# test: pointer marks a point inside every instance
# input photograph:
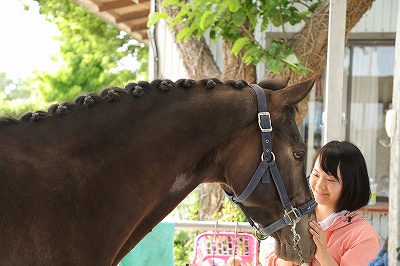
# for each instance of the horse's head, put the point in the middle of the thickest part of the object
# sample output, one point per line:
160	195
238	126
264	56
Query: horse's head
263	203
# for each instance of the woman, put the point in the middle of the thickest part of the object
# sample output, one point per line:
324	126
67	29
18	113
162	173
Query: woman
340	184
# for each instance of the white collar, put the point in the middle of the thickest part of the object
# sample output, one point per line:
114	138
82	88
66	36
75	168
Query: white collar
329	220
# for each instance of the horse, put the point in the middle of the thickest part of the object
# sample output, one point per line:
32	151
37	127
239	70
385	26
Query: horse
84	181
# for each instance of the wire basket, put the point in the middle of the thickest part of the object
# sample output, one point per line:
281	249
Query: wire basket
218	248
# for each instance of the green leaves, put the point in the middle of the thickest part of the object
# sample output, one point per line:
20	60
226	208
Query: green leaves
239	18
234	5
274	65
239	44
155	17
170	3
274	49
252	55
280	56
91	53
276	54
290	58
184	34
206	20
236	20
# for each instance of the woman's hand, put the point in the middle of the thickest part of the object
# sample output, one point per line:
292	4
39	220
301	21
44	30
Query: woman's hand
284	263
319	238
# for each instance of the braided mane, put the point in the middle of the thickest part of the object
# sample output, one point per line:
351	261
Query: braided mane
114	94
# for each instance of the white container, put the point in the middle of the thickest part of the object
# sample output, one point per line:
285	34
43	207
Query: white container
372	200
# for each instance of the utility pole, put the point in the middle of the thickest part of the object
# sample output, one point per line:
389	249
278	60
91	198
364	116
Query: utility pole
394	185
332	129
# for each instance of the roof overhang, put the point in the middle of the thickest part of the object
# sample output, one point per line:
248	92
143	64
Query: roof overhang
127	15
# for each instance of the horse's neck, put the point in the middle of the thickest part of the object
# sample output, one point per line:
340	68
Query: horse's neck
124	166
192	135
135	148
128	142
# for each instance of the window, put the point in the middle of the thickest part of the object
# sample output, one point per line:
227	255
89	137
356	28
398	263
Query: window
367	95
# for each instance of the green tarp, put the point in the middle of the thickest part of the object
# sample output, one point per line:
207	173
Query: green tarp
156	249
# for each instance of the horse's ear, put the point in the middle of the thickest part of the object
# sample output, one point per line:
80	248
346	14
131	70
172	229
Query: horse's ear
295	93
274	84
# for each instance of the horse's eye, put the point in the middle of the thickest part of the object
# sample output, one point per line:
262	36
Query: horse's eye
298	155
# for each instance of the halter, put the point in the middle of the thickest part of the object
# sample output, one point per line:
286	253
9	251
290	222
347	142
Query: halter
264	171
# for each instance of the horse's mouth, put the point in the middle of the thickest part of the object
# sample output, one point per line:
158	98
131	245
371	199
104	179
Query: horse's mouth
281	250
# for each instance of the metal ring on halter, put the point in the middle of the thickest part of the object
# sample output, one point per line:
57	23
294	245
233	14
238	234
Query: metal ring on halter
260	235
273	156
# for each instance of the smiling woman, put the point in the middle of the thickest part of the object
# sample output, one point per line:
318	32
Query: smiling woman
340	184
325	187
27	40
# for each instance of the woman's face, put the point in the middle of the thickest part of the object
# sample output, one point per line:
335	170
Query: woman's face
326	188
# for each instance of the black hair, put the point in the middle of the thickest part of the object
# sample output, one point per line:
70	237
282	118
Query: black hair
346	157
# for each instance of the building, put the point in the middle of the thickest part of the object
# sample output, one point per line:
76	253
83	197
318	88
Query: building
367	93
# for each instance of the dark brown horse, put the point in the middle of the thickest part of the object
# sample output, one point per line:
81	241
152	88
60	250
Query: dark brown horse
84	182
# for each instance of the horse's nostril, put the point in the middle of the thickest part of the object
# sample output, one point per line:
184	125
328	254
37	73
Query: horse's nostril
298	155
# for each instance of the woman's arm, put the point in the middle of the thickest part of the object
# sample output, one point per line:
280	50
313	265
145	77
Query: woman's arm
364	250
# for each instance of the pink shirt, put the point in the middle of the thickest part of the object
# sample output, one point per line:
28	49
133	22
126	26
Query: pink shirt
351	240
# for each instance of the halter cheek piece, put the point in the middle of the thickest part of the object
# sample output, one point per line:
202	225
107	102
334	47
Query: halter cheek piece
264	171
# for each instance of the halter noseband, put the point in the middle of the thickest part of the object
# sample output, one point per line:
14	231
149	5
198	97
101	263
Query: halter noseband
264	171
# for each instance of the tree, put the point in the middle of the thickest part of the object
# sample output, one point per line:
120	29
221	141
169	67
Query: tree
91	54
306	50
17	97
91	51
234	22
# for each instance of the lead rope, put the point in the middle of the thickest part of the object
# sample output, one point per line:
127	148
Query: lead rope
235	245
296	245
213	248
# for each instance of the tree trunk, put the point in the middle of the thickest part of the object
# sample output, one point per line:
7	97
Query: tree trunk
234	68
310	44
195	54
211	195
211	198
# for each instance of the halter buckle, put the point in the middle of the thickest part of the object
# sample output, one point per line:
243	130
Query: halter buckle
260	120
294	212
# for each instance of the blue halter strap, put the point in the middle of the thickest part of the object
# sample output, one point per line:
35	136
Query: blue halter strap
267	169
